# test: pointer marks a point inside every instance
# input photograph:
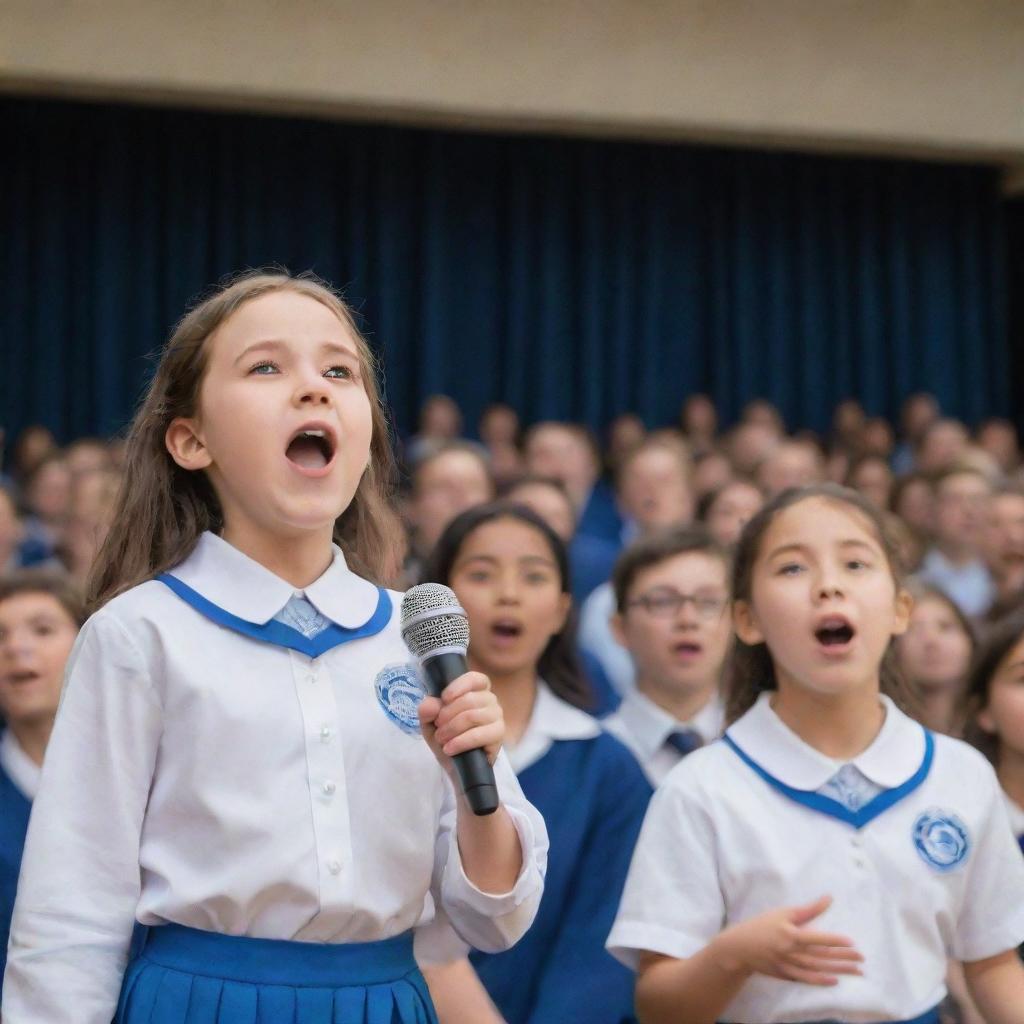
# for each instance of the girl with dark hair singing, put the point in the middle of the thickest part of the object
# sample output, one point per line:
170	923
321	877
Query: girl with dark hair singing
829	855
509	571
238	761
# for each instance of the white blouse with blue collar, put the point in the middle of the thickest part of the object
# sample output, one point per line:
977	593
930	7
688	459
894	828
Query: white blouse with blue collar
214	766
921	867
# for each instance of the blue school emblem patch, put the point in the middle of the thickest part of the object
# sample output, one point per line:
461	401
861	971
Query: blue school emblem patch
399	692
941	839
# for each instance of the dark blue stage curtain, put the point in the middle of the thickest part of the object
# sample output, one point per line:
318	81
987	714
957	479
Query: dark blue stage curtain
572	278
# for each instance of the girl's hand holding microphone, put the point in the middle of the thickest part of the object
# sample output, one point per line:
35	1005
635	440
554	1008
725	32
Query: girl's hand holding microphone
466	716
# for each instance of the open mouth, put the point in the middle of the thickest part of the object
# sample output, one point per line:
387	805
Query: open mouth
506	629
834	632
20	678
687	648
311	447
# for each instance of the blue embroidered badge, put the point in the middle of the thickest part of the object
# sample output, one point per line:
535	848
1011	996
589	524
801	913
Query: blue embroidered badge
399	692
941	839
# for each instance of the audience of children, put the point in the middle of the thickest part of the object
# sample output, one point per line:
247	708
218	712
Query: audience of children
656	631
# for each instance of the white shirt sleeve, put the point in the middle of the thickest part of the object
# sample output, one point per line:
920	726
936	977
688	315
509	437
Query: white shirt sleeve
79	882
672	902
991	920
491	923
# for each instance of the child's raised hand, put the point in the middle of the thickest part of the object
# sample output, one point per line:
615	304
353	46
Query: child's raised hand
780	945
467	715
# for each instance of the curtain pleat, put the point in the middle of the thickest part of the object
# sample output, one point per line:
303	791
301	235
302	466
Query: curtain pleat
572	278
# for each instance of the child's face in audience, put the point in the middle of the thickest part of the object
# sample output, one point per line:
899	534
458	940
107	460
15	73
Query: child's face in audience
961	503
935	650
552	505
280	363
36	635
446	486
654	490
873	479
507	579
677	647
738	503
823	598
1004	714
1004	535
50	491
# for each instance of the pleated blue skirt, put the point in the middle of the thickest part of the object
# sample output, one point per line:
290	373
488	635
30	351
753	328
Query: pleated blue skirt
186	976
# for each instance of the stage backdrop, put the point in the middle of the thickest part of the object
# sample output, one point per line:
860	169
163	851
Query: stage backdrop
569	277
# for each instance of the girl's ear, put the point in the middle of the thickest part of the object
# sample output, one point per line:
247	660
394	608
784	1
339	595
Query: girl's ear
986	723
904	606
185	445
745	623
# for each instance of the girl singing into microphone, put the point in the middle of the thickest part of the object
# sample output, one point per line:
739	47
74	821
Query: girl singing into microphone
825	859
238	761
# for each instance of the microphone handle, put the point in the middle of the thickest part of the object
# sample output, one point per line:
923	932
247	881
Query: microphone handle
475	771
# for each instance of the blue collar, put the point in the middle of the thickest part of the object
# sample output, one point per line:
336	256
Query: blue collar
278	633
834	809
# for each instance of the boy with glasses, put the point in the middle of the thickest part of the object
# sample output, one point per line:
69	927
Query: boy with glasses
672	615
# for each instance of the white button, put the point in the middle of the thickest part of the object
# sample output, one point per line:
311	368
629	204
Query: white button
855	841
860	862
329	787
334	867
325	734
310	679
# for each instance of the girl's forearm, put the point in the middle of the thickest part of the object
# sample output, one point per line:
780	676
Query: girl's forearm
458	994
695	990
997	986
492	855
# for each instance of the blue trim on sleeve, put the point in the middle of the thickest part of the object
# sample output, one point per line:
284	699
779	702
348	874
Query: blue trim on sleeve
834	809
278	633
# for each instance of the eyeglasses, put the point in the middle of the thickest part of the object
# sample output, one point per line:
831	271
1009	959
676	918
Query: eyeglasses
667	604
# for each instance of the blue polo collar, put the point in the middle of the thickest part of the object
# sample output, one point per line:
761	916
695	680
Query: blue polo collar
236	592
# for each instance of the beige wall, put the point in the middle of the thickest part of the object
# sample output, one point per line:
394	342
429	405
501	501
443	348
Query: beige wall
889	76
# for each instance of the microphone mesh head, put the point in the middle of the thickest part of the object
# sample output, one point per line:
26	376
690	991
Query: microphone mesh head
433	620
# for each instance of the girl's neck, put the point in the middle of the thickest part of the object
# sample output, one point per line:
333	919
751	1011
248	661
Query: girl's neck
299	559
517	693
32	737
840	726
1010	769
681	705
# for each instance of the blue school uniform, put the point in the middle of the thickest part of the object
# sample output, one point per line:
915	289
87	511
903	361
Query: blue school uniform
238	766
593	796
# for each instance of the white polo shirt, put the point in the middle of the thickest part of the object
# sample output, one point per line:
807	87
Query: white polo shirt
204	772
926	871
644	727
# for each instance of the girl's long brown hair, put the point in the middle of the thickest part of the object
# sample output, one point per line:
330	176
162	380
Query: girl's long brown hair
750	670
162	509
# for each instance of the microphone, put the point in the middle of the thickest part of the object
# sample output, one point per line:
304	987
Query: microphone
436	631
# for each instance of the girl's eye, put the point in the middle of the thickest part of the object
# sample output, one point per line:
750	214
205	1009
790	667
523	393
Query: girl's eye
478	576
856	563
537	578
264	368
340	373
789	569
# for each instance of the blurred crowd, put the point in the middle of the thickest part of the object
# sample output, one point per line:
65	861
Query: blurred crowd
596	586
